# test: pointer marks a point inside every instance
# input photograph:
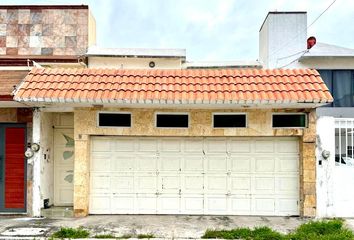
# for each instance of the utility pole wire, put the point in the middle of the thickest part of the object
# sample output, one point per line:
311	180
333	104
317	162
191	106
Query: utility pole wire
305	30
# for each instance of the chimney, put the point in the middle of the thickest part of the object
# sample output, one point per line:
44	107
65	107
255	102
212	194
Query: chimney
282	39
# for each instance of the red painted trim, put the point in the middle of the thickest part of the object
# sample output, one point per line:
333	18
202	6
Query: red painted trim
6	98
14	168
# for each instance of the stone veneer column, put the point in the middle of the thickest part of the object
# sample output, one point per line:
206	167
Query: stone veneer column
308	168
81	175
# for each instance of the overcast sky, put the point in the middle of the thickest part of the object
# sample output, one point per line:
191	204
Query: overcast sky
208	29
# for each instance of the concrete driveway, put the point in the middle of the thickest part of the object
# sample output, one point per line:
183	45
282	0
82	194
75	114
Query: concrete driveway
161	226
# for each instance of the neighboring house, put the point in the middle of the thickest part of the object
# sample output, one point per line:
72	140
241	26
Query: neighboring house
284	44
224	141
150	58
40	35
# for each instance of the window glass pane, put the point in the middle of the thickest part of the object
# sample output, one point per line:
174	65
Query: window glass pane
342	88
172	121
289	120
114	120
326	75
229	120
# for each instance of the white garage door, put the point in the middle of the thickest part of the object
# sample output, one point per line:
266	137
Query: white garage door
232	176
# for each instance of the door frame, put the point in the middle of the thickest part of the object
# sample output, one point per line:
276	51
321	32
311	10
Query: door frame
3	126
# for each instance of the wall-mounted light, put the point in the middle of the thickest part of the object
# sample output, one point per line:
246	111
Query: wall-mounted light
35	147
325	154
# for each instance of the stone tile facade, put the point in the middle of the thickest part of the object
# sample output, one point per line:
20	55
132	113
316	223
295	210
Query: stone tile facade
259	121
43	31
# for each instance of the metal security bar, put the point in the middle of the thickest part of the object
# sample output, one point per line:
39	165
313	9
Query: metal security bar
344	144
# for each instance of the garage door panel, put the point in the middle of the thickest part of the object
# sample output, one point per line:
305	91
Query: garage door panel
193	145
264	205
100	162
101	145
264	146
216	204
147	145
146	183
264	185
146	203
241	185
217	184
287	184
146	162
171	145
169	204
170	183
193	163
264	164
124	145
122	204
186	175
170	162
122	184
240	146
193	184
100	183
122	162
215	145
241	164
287	206
288	163
217	163
100	204
287	146
192	204
240	205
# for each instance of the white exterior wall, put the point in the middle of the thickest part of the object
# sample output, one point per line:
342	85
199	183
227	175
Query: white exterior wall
325	171
134	63
47	166
281	35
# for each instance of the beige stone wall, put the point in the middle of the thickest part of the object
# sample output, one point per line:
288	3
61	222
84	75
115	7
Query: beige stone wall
143	120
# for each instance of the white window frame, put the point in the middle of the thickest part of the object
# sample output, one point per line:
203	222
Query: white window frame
282	113
98	119
229	113
171	113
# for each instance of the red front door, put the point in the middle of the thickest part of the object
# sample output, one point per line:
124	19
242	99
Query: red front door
12	168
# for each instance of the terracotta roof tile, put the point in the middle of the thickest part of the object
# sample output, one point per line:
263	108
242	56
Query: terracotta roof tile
189	86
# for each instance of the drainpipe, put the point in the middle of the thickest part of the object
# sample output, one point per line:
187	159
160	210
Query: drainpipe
36	138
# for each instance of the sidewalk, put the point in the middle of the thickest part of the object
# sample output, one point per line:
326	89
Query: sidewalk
160	226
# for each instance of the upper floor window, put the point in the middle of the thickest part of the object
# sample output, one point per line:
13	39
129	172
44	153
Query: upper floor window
341	85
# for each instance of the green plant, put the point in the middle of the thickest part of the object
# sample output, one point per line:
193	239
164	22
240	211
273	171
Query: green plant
102	236
125	236
149	235
260	233
71	233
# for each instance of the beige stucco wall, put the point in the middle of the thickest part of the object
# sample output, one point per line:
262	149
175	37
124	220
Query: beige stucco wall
259	124
134	63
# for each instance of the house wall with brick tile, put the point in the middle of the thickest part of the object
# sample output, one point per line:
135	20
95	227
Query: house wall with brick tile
45	30
259	124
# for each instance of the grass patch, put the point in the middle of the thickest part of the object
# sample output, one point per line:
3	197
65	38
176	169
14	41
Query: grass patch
260	233
125	236
103	236
322	230
71	233
145	236
313	230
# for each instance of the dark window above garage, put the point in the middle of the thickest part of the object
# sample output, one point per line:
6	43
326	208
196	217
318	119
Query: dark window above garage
114	119
221	120
164	120
289	120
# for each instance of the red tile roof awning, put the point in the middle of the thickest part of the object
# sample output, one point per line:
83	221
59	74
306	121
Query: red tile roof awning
197	86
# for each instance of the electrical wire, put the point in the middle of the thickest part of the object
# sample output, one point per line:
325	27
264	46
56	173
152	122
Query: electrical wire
305	30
